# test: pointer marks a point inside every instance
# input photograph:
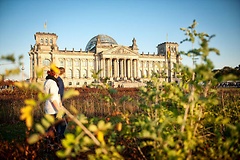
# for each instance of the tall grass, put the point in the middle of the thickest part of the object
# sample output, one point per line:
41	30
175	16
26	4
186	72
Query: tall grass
90	102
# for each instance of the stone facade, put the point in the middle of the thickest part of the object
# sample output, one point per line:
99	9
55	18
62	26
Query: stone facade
121	65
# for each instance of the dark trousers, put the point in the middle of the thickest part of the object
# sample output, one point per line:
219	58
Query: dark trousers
58	129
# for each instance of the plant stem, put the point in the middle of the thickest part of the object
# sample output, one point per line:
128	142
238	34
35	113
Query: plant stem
82	126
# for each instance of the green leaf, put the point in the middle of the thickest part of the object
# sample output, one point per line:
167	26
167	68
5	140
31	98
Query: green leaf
49	118
61	154
70	93
101	125
87	140
112	91
43	97
40	128
30	102
92	128
33	138
45	123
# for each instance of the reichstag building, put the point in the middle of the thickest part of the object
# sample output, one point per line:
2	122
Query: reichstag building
122	66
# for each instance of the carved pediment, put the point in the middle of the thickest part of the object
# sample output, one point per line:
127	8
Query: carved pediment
120	50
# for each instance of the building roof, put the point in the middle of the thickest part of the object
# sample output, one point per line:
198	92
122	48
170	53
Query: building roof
101	38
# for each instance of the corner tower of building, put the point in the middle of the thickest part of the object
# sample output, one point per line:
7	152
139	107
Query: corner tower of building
45	41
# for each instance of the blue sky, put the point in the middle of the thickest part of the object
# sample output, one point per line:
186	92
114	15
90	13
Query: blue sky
149	21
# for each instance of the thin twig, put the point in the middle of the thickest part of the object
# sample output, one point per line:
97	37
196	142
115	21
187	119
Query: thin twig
82	126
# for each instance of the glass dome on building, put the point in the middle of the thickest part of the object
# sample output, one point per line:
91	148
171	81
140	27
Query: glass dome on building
105	40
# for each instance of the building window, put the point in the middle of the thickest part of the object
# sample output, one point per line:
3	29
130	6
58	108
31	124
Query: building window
41	41
77	83
61	63
70	83
149	64
51	41
69	63
85	73
159	64
46	41
85	63
145	64
46	62
77	73
69	73
141	64
90	63
77	64
146	73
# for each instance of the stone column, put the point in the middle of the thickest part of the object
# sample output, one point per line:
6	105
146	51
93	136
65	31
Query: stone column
65	65
148	69
73	68
131	69
114	68
121	68
101	67
107	67
35	65
87	60
125	68
134	68
137	63
104	69
117	68
80	68
31	66
110	68
95	65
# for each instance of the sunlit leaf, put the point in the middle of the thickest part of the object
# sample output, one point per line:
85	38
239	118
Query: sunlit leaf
40	128
33	138
61	154
39	71
73	109
101	125
26	114
92	128
30	102
70	93
87	140
43	97
49	118
100	136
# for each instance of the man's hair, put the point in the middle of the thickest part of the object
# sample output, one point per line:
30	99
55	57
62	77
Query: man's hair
62	70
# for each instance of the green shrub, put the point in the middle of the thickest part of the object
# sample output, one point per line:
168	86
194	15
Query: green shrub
185	120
